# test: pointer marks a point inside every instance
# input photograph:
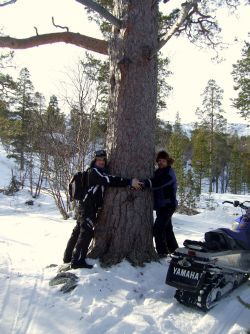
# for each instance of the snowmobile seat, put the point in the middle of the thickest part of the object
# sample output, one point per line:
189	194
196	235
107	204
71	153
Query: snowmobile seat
224	239
241	237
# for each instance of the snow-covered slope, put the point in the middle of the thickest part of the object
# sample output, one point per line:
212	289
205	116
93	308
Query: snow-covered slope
232	128
239	129
5	168
121	299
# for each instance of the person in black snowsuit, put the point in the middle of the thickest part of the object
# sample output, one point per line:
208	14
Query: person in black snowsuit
164	186
97	180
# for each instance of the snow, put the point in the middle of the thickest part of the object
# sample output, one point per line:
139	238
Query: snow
240	129
120	299
5	168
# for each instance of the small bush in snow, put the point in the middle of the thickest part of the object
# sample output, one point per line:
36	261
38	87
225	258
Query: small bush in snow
13	187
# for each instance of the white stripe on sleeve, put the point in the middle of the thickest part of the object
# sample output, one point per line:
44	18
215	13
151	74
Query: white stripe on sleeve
107	178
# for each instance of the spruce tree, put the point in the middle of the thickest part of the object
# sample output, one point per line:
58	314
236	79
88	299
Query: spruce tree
178	147
241	76
7	91
235	166
221	159
211	117
22	111
200	155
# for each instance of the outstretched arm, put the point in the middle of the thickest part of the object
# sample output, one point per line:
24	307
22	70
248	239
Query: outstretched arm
160	182
97	178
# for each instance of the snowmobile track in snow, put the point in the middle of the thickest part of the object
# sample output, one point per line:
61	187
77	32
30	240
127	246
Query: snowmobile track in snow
7	286
23	324
20	299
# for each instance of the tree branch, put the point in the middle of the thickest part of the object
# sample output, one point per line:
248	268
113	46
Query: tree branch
57	25
89	43
102	11
185	12
36	30
7	3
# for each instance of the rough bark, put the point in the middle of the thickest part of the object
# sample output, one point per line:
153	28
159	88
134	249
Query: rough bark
125	226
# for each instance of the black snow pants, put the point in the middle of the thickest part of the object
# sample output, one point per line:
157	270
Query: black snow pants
79	241
165	240
71	243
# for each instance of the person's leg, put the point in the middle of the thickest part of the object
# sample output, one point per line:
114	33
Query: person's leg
172	244
75	234
71	243
81	248
159	232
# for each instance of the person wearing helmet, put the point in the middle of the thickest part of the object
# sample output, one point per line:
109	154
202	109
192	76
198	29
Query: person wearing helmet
98	179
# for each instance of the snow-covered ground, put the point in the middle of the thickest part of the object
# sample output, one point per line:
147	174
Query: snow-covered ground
121	299
6	165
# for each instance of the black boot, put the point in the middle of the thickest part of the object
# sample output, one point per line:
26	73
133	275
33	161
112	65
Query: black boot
81	248
81	263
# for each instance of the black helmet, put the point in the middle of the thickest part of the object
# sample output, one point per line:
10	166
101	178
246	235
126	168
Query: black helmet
100	154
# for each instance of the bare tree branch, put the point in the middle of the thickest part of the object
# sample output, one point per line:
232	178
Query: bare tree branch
102	11
36	30
198	25
7	3
57	26
86	42
184	14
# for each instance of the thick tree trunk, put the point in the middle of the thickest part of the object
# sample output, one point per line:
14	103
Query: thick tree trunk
125	226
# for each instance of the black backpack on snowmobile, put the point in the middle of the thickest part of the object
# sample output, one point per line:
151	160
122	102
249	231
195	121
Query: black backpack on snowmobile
225	238
203	272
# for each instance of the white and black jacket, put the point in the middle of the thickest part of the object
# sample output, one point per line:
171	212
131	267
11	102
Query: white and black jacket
97	181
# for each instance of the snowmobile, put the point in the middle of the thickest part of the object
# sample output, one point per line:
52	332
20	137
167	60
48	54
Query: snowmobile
204	272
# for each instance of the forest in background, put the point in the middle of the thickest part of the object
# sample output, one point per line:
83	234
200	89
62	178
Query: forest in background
51	140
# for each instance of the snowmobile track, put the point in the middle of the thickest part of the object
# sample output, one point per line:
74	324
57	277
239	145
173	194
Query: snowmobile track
24	325
20	298
7	287
222	311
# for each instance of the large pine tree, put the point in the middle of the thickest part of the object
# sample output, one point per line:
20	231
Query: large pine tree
125	229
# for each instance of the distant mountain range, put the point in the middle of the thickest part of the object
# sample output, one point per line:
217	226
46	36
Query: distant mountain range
237	128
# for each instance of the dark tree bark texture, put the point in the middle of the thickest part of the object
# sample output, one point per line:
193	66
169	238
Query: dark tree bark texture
126	221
